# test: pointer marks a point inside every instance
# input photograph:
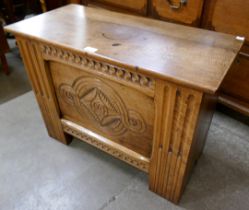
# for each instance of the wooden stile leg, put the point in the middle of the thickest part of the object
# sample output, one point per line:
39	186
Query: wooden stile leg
177	111
42	86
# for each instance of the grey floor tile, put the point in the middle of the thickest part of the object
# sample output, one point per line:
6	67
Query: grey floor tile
227	123
221	177
138	197
38	172
84	183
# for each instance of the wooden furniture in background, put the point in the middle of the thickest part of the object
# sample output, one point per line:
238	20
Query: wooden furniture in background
13	10
47	5
4	48
136	88
50	5
235	87
139	7
187	13
232	17
227	16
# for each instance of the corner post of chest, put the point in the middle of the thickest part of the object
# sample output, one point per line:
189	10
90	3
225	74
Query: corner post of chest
179	136
41	82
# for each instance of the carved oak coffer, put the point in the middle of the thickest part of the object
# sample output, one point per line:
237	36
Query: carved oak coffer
141	90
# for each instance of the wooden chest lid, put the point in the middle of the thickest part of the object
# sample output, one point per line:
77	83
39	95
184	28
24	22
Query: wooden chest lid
189	56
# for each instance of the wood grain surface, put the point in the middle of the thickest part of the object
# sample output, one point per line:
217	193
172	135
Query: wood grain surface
184	55
108	108
216	17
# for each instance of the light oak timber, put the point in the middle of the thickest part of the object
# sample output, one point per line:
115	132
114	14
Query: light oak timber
177	113
145	37
120	116
43	89
131	78
210	14
146	96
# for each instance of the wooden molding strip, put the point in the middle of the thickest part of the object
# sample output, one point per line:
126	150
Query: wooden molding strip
106	145
110	71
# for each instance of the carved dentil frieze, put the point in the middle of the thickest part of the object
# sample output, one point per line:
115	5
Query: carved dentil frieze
94	65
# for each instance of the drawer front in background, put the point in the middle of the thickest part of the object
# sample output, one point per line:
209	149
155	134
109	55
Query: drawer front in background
189	13
138	6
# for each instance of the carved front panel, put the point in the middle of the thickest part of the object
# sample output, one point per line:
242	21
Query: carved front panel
111	109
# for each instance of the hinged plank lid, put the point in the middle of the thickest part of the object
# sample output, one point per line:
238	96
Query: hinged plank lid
189	56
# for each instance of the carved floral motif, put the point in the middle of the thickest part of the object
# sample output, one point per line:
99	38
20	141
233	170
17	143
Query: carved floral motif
93	98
